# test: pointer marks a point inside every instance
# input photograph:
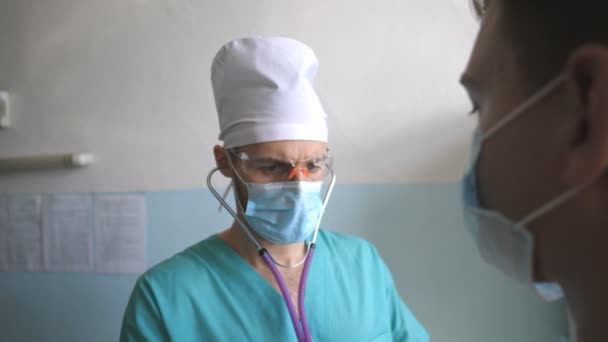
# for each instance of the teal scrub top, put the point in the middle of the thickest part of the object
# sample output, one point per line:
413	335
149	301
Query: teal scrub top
209	293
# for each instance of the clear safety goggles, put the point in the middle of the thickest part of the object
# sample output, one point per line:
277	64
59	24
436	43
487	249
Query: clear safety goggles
266	169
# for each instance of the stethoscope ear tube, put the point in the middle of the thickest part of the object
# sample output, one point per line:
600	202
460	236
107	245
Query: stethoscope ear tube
330	189
227	207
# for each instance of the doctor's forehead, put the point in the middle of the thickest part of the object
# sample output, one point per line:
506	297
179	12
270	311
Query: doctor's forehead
286	149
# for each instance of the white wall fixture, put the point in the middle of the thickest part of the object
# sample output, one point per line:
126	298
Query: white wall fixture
5	110
62	161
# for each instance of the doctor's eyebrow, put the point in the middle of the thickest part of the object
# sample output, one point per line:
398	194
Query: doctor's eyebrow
271	160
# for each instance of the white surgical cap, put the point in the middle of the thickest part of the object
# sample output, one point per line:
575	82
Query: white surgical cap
263	89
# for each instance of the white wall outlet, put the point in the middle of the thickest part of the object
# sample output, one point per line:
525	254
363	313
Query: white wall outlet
5	110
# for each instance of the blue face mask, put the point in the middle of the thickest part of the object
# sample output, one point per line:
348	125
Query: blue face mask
286	212
508	245
505	244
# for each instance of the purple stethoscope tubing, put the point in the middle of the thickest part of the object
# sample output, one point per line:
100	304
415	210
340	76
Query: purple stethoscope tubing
302	292
300	326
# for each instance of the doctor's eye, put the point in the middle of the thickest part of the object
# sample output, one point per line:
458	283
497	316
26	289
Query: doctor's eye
314	167
275	168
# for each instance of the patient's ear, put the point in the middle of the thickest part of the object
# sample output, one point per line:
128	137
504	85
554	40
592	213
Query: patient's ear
588	85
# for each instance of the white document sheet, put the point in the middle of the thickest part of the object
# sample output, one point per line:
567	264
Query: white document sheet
23	233
68	233
120	233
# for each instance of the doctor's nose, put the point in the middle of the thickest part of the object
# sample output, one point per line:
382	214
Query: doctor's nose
299	174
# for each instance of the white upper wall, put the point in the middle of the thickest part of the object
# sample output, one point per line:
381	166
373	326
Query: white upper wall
128	80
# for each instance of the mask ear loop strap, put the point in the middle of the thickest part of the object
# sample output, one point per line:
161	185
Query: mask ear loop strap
330	189
544	91
559	200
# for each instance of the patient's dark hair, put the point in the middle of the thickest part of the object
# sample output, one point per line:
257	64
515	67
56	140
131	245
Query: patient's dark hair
543	33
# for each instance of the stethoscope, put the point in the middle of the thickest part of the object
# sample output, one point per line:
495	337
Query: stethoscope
300	325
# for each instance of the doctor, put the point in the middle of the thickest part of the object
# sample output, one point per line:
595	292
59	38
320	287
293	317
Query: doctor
273	275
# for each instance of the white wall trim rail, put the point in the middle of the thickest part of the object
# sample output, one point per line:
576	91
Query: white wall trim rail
46	162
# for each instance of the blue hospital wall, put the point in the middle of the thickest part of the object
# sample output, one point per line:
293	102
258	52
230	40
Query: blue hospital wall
416	228
129	81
